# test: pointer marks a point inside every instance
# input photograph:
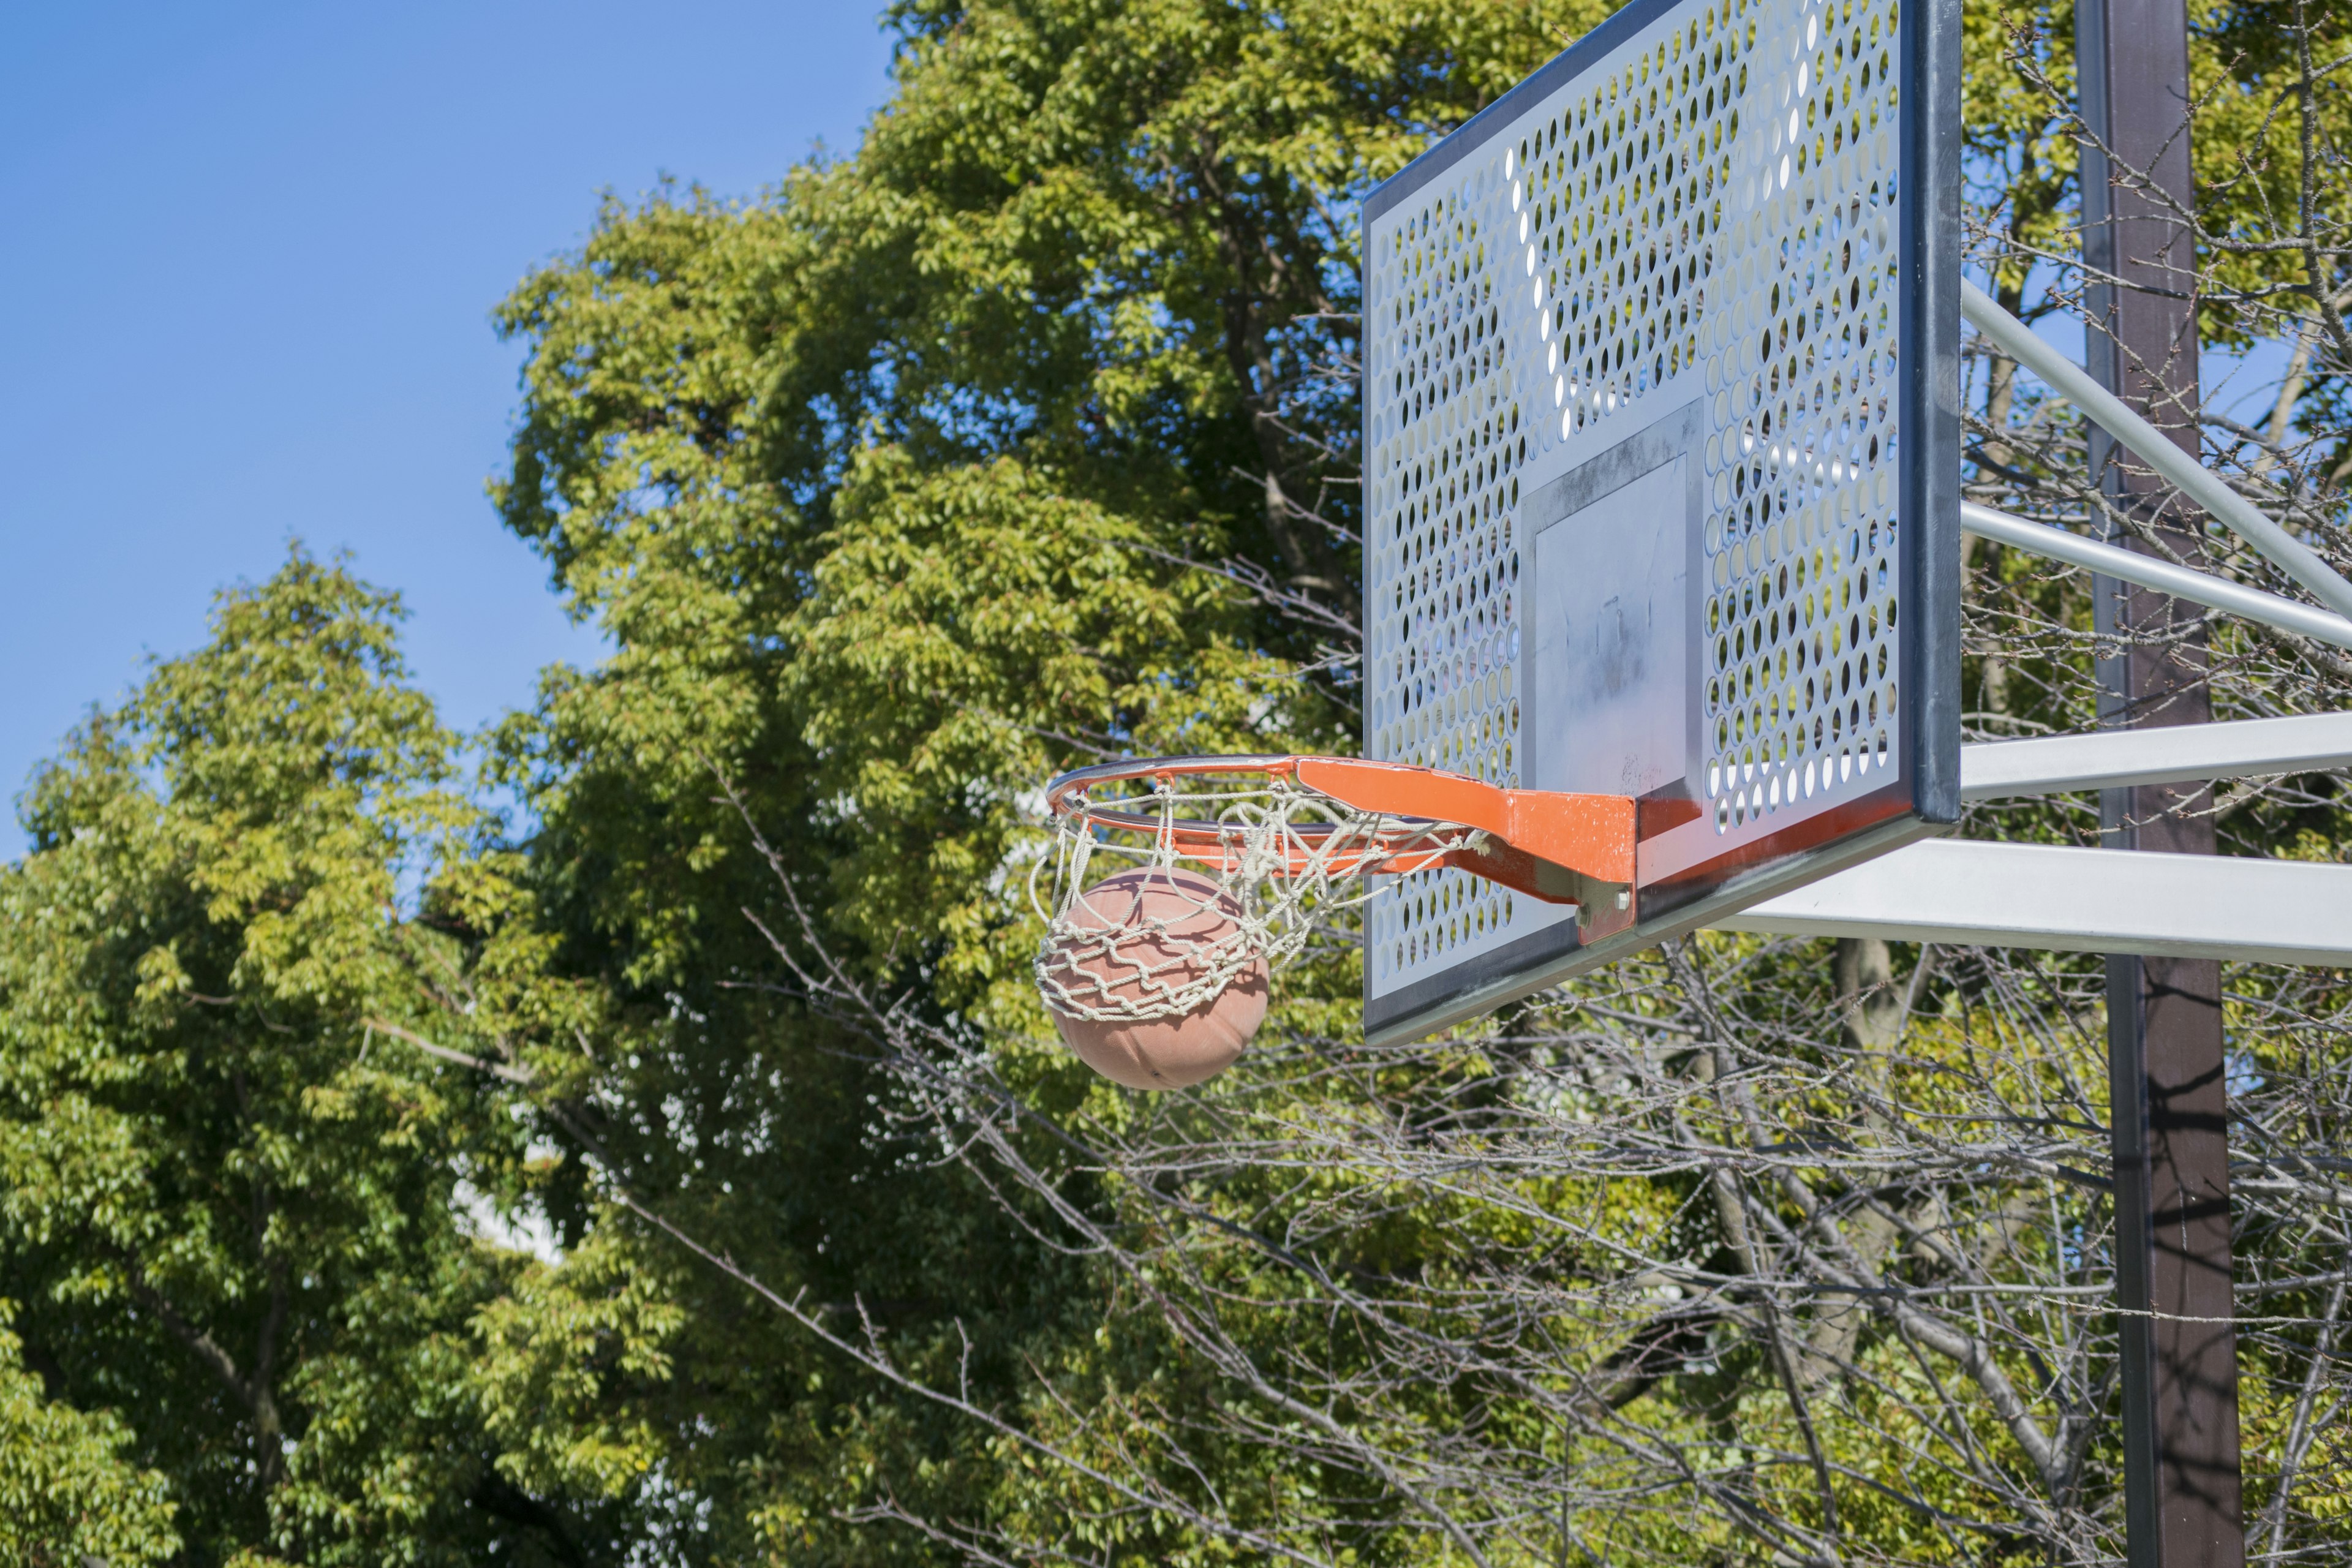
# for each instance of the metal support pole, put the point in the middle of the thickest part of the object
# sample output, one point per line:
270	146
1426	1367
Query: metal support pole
2183	467
2165	1046
1965	892
2133	566
2118	759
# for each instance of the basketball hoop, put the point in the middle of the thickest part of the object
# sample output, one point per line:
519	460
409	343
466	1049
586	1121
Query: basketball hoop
1156	976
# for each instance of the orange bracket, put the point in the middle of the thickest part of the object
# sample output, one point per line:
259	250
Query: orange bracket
1560	848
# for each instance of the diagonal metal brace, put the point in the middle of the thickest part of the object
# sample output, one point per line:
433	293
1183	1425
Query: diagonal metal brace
2153	447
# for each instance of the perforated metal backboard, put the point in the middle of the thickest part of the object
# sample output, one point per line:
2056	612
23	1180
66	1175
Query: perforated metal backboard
1661	461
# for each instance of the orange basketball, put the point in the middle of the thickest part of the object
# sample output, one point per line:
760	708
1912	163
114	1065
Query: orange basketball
1158	919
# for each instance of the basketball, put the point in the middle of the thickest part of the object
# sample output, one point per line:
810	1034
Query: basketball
1158	928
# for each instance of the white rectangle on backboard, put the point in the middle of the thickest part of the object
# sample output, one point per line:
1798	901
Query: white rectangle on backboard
1609	681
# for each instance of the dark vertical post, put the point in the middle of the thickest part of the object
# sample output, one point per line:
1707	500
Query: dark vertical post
2165	1044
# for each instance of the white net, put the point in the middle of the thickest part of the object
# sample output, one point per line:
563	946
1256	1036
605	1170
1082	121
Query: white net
1168	888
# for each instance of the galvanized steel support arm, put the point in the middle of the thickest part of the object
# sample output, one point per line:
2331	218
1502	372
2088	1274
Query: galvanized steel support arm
2155	448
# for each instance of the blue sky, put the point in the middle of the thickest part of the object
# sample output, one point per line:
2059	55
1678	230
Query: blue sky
252	252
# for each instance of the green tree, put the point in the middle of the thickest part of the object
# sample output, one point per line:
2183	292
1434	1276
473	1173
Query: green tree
228	1189
1027	436
67	1494
1023	438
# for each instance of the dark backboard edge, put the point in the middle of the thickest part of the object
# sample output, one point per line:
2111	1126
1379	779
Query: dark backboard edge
1472	133
1549	957
1929	478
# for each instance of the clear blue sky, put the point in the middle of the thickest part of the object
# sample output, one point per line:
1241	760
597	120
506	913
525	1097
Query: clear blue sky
252	250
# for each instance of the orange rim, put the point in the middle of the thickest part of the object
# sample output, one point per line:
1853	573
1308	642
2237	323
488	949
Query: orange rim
1592	836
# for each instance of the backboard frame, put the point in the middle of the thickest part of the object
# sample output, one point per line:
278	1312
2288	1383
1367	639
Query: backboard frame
1922	796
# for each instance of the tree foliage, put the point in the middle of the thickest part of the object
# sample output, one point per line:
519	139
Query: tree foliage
1023	437
229	1205
67	1494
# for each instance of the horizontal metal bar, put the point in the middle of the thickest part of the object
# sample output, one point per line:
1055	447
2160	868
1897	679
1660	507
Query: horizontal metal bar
2116	759
2155	448
2077	901
2180	582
